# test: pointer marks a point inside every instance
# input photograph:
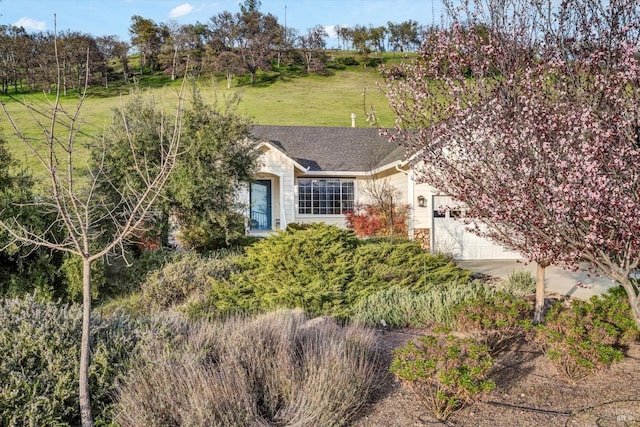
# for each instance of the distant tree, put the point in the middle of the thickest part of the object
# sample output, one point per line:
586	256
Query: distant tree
222	55
345	36
530	119
377	37
313	45
121	51
78	55
360	39
147	36
195	42
39	60
11	42
107	47
254	36
228	63
174	52
259	36
405	36
223	31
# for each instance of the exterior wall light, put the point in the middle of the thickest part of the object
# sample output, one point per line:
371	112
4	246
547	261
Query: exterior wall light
421	201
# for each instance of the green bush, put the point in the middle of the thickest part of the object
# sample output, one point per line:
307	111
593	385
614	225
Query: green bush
72	272
40	347
308	268
382	264
126	274
446	372
495	320
587	335
25	268
187	274
325	270
348	60
24	271
400	306
277	369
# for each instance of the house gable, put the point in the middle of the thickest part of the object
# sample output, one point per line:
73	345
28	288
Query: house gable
272	157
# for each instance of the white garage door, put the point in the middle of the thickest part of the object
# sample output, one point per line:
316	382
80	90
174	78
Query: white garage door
450	236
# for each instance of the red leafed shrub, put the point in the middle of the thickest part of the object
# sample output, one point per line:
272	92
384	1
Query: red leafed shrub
368	220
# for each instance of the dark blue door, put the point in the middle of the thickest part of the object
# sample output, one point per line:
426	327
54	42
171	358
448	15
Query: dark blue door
260	199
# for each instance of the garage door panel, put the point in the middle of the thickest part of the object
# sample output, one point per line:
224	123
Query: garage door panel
451	237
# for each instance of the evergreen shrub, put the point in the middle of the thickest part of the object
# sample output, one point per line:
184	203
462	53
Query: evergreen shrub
324	270
308	268
124	275
187	274
494	319
39	367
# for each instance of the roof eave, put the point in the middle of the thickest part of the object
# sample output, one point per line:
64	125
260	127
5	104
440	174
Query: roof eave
270	146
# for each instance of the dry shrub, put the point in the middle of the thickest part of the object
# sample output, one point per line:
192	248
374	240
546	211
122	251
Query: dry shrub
280	368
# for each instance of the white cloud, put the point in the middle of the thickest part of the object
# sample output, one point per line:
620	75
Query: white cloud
331	31
182	10
30	24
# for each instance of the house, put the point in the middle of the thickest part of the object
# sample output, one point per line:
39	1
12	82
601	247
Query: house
313	174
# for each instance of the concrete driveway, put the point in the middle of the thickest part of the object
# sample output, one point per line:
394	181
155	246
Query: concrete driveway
580	284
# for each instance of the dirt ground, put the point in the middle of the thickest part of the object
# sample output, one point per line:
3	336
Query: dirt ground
529	392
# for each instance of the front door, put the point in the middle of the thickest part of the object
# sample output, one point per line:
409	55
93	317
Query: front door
260	199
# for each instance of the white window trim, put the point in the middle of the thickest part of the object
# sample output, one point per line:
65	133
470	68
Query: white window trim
314	215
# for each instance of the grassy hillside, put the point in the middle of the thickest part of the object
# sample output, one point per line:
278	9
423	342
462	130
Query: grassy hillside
318	100
277	99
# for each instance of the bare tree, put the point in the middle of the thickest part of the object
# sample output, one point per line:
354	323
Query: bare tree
76	206
313	45
383	214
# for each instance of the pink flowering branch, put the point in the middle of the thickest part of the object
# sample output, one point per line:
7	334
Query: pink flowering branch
528	116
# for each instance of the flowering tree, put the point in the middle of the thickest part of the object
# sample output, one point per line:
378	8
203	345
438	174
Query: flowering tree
528	115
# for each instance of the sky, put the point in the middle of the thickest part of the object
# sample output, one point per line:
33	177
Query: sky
113	17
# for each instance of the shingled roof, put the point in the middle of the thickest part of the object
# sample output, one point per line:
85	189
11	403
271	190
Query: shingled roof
335	149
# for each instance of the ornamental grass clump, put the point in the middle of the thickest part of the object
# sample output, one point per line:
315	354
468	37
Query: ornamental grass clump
280	368
520	284
400	307
446	372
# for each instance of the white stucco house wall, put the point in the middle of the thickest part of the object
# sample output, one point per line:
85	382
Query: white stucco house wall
313	174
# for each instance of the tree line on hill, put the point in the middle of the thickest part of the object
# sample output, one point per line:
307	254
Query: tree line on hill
229	44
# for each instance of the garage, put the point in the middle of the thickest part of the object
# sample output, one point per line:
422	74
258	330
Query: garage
451	237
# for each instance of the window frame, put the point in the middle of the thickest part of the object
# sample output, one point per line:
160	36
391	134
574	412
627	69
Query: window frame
322	196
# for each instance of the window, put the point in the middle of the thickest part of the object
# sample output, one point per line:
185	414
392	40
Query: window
324	196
